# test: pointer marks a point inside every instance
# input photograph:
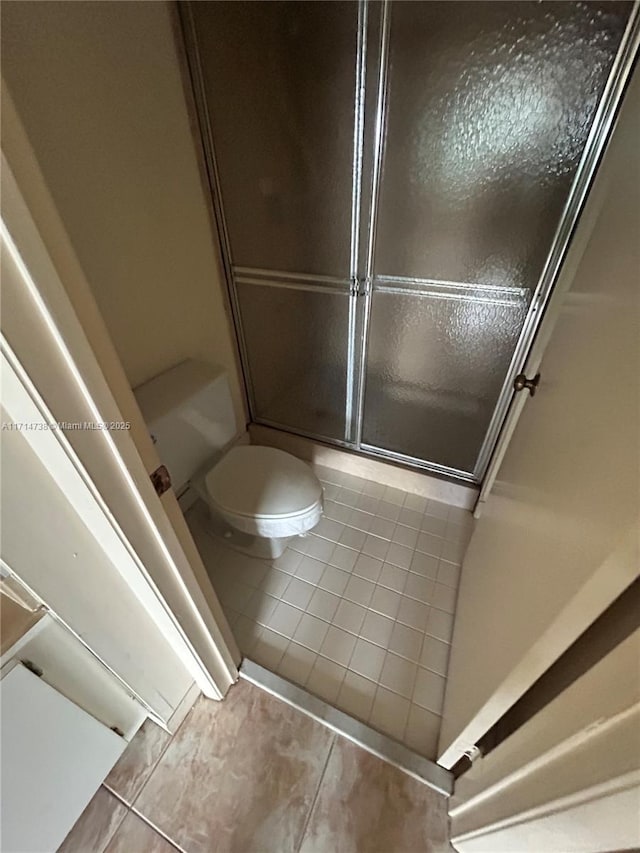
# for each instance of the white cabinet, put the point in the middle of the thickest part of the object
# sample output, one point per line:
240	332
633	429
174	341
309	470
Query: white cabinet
54	755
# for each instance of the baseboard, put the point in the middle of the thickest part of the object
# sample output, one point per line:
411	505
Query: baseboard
416	482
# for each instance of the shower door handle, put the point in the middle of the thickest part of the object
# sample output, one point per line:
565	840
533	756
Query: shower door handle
521	382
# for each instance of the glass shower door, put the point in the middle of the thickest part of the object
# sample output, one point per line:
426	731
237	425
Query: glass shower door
278	81
487	108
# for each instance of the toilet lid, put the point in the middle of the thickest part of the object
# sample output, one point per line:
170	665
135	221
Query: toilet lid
262	482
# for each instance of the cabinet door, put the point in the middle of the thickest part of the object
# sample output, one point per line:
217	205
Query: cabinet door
54	758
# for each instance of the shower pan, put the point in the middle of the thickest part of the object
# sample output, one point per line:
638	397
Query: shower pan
395	187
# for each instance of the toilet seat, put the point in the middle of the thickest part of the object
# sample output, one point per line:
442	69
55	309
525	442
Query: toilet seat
265	492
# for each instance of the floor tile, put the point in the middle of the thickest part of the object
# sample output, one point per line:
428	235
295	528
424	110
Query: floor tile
406	641
298	593
403	535
353	538
435	526
311	632
329	529
374	489
311	569
367	659
416	502
237	595
333	580
424	565
385	601
382	527
438	509
260	607
343	557
422	731
284	619
393	577
359	590
340	513
368	503
367	806
296	663
394	496
356	695
299	543
413	613
377	628
388	510
375	546
134	766
360	520
338	645
429	690
435	655
243	772
319	548
398	675
325	679
410	517
269	648
440	625
389	713
399	555
347	496
275	582
444	597
429	544
246	631
422	589
96	825
367	567
134	834
453	552
349	616
324	604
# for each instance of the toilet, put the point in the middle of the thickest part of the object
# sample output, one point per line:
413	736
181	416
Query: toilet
259	498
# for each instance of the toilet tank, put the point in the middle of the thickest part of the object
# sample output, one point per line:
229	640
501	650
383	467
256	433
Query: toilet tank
189	413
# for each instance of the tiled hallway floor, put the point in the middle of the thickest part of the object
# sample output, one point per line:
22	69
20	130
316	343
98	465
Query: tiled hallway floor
254	775
360	611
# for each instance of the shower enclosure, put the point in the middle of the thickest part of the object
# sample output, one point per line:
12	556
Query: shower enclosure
395	187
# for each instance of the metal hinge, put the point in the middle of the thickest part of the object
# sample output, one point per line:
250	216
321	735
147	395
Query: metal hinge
161	480
473	753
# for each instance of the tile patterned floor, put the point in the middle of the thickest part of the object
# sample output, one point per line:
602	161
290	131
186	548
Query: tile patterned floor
254	775
360	611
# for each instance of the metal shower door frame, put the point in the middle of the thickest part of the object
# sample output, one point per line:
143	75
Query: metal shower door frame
362	282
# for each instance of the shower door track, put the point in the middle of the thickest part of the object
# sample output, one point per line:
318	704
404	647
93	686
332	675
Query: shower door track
360	285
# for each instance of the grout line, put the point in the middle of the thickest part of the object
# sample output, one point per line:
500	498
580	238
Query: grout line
317	793
110	838
136	795
158	831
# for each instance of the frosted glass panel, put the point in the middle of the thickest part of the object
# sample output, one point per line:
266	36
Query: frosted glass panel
434	372
280	84
489	108
296	344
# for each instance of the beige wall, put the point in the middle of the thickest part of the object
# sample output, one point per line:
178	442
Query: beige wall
98	89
